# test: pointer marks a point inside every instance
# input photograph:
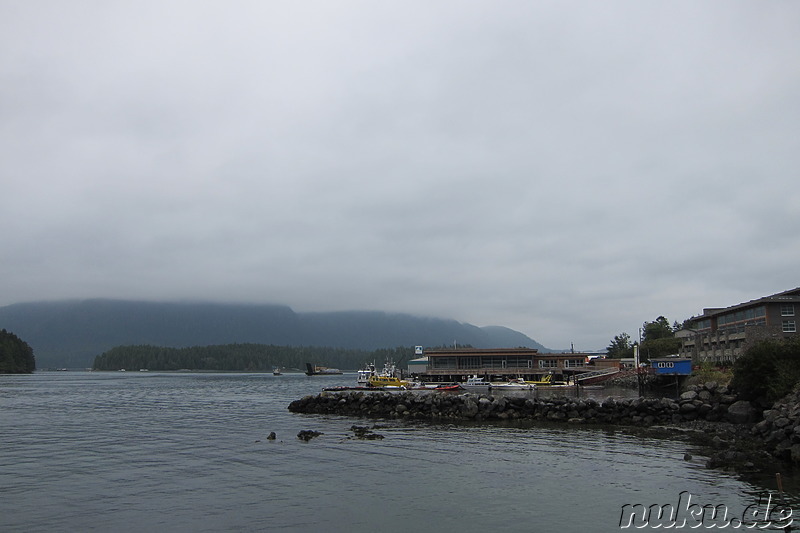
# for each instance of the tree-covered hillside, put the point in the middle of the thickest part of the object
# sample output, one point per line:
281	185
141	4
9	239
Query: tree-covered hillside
16	357
242	357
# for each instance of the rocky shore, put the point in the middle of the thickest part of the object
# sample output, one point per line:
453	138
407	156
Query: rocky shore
779	428
735	433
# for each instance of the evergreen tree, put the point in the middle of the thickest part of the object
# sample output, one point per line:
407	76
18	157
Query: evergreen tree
620	347
658	339
16	356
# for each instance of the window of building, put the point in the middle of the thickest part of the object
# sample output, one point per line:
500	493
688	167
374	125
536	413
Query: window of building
492	362
443	362
548	363
519	362
789	326
469	362
787	309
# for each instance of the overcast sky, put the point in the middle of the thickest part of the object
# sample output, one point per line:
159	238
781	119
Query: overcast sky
566	169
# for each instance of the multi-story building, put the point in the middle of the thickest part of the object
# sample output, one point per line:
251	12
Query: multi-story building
721	335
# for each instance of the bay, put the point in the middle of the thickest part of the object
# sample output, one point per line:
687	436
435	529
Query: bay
134	451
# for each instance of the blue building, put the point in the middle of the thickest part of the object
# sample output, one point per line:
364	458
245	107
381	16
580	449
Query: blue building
671	366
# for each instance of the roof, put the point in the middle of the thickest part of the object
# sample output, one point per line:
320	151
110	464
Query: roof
790	296
482	351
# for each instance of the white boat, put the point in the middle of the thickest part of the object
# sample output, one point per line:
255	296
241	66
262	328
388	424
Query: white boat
514	384
474	382
362	378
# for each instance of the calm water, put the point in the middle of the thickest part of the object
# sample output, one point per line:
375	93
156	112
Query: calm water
133	451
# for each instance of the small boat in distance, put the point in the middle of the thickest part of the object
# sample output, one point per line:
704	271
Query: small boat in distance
312	370
277	371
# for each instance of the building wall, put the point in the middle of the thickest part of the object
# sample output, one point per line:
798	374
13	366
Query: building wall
456	365
722	335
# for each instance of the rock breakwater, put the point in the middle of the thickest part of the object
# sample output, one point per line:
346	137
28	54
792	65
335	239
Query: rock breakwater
708	402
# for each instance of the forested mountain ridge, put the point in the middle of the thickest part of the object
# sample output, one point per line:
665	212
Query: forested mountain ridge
72	333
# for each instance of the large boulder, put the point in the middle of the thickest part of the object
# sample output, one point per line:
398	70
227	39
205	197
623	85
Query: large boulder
742	412
688	395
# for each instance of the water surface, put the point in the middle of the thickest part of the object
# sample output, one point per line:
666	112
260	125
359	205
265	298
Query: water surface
133	451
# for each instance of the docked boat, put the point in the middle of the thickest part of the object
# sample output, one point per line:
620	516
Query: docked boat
514	384
312	370
389	382
547	381
474	382
389	377
448	387
362	378
436	386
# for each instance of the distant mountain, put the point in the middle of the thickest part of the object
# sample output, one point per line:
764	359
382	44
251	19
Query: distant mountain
71	333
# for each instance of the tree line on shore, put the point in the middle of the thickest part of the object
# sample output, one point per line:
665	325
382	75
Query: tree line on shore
657	340
242	357
16	356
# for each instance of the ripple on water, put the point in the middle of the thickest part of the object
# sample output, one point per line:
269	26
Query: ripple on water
188	452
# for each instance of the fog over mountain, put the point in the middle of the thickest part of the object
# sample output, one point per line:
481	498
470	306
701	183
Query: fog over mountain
72	333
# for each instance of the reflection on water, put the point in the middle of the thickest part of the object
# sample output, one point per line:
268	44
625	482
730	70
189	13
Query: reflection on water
188	452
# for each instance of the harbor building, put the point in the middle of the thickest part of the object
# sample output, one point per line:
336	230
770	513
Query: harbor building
720	335
500	364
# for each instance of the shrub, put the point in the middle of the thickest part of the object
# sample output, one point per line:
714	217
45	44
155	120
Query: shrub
768	370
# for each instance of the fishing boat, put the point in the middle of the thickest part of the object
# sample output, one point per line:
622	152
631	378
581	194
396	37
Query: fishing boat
277	371
389	382
362	378
389	377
